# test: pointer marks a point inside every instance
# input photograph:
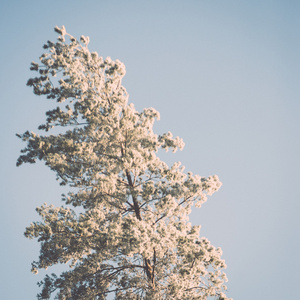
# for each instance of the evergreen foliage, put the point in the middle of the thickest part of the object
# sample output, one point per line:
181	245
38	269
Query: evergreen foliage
132	237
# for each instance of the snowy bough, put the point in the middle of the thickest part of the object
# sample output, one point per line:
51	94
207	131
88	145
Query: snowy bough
131	236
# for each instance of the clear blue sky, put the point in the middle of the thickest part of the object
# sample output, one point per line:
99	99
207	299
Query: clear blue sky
224	76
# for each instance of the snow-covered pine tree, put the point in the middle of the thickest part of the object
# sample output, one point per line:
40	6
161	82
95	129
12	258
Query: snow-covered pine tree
132	237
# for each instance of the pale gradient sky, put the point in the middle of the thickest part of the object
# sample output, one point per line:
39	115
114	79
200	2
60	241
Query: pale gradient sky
224	76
